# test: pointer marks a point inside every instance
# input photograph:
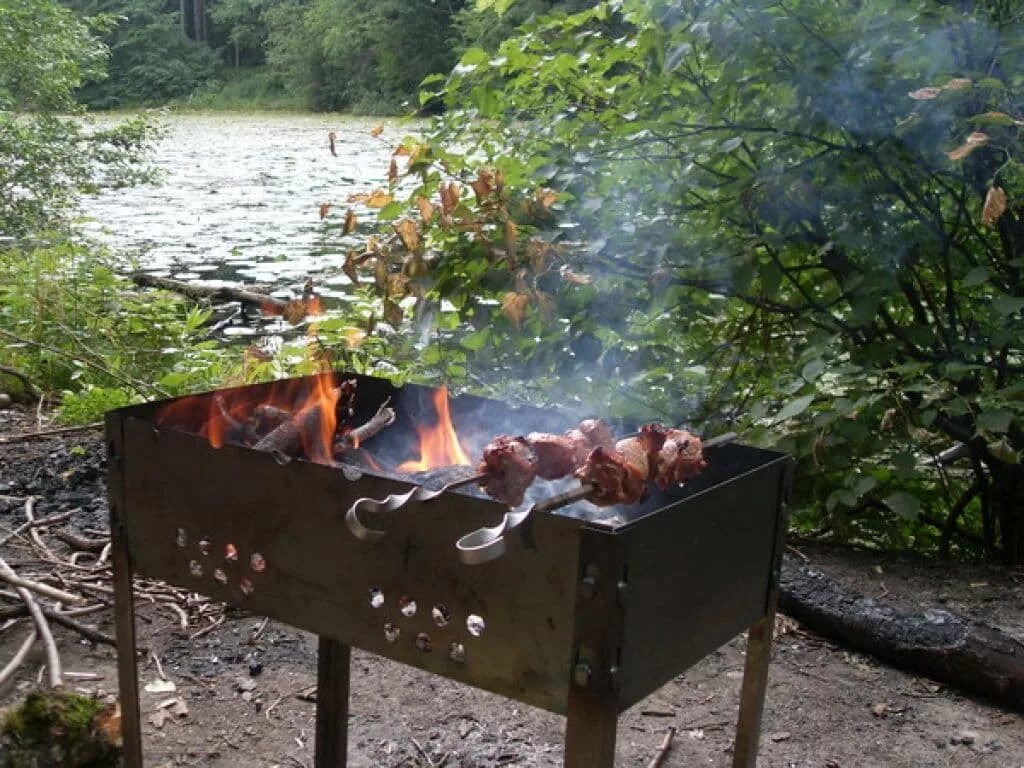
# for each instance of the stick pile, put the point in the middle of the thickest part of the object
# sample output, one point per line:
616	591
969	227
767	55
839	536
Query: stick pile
54	575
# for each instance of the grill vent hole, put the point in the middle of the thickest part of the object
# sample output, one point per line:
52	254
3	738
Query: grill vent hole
407	606
391	632
441	615
475	625
376	598
230	553
220	576
181	538
423	642
457	652
257	562
195	568
246	586
204	546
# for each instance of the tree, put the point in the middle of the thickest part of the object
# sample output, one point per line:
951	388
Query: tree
150	61
47	158
800	218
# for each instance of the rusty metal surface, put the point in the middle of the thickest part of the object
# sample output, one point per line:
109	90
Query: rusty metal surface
318	577
699	572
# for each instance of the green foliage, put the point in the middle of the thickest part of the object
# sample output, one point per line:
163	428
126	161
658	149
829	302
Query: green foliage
151	61
58	728
73	325
358	55
780	217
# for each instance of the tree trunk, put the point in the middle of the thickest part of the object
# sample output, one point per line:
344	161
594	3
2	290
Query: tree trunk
948	648
1007	499
183	14
237	57
199	20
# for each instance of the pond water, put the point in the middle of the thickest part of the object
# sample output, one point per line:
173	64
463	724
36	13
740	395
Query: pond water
239	198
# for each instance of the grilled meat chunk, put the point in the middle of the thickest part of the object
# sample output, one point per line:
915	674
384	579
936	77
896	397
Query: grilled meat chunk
619	475
679	458
560	455
510	465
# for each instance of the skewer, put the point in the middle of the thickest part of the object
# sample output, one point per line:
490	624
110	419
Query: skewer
486	544
578	494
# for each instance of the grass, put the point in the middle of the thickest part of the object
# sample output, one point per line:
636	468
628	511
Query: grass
246	89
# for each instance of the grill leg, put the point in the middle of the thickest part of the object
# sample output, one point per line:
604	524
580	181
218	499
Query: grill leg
590	730
332	681
755	683
124	627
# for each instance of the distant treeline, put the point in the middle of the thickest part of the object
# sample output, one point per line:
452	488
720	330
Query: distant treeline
354	55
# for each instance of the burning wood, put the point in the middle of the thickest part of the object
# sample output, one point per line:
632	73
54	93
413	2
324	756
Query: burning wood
384	417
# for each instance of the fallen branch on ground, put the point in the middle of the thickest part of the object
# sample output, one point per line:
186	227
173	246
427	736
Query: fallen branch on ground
949	649
666	745
52	657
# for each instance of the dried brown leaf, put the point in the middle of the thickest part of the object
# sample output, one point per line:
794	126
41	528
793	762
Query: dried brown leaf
513	306
415	266
350	222
450	194
325	208
545	197
393	172
975	140
925	94
576	278
409	233
958	84
393	313
380	272
295	311
400	150
398	285
995	206
376	131
376	199
511	233
351	259
484	184
330	141
426	209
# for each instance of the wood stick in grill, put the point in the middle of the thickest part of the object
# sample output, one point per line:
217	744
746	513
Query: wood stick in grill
384	417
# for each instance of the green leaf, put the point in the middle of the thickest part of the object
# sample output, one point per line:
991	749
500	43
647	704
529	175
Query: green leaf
1007	305
813	369
977	276
794	408
475	341
474	57
998	420
904	504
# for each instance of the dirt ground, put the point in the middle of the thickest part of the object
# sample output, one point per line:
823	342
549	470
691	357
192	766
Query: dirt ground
249	701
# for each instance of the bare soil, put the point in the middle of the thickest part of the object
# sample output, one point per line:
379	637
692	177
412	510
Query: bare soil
249	702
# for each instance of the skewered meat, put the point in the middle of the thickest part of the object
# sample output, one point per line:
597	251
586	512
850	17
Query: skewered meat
620	476
559	455
510	465
616	478
680	457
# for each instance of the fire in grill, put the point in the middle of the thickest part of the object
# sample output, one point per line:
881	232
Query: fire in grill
302	500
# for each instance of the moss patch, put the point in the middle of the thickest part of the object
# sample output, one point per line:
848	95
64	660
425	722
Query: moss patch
58	728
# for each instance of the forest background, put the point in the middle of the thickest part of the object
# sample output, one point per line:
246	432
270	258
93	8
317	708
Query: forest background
799	220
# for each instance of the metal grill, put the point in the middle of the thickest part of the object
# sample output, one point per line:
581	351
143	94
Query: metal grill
580	616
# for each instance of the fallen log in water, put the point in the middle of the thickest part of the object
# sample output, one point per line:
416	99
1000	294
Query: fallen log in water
949	649
268	304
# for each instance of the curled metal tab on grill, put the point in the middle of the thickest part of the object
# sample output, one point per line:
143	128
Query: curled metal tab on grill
388	504
486	544
391	503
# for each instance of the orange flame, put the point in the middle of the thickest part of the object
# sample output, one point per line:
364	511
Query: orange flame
218	416
439	445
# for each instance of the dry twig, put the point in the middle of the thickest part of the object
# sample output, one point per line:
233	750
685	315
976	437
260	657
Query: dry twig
666	745
52	657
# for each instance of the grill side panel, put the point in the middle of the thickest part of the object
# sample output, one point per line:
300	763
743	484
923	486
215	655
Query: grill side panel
185	502
697	574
